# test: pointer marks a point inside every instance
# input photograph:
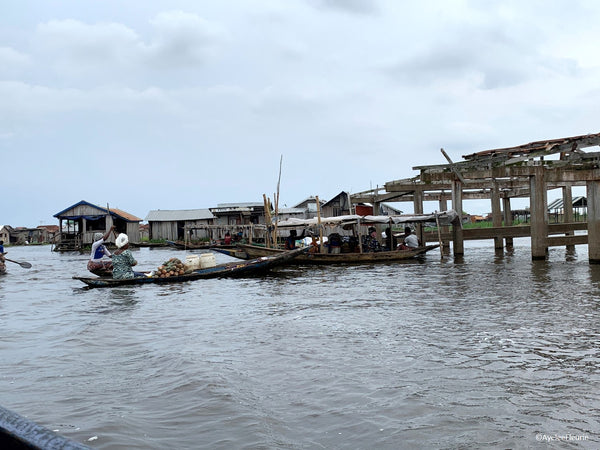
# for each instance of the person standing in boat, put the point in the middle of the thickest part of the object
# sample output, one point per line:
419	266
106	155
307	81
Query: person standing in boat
290	241
97	264
2	248
123	261
410	240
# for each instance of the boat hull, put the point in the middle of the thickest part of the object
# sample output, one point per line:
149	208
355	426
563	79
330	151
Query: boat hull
236	269
253	251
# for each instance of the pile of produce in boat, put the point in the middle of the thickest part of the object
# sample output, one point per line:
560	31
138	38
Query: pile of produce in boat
171	268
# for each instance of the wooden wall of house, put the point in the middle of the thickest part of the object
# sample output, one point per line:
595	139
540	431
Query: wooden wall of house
163	230
133	231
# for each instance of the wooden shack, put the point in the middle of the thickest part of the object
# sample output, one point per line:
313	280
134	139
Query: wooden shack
179	225
79	222
339	205
239	213
309	205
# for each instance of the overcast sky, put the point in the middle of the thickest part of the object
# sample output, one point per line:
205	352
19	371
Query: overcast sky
186	104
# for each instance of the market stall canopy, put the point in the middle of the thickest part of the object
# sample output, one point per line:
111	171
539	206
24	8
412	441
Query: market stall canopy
444	218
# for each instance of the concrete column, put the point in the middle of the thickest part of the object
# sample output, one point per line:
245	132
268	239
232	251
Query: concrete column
508	222
444	229
568	211
539	214
418	208
496	213
593	221
457	231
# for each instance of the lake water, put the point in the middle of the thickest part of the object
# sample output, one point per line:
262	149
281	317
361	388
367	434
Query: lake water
492	351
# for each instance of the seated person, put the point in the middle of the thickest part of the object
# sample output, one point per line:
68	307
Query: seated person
227	239
123	260
290	241
335	243
410	240
371	243
97	264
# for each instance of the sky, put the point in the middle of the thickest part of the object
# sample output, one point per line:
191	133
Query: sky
154	104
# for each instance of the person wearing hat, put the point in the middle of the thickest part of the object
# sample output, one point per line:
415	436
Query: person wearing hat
371	242
97	264
123	260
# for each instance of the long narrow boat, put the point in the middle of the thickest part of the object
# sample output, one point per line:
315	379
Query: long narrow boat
247	251
236	269
194	246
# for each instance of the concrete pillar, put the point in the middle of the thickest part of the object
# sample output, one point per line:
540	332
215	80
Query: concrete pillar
508	218
444	229
418	209
496	213
539	214
593	221
568	211
457	231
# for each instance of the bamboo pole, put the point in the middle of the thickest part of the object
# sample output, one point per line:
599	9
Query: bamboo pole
321	243
276	197
267	221
360	246
276	209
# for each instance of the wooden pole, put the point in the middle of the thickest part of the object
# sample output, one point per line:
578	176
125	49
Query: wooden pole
321	243
267	220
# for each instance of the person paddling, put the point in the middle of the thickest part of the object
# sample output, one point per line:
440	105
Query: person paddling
97	264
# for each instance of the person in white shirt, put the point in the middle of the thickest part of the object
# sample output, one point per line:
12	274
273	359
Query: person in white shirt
410	240
97	264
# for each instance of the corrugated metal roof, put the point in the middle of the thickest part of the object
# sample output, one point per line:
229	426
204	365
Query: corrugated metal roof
291	210
166	215
125	215
118	212
239	205
578	202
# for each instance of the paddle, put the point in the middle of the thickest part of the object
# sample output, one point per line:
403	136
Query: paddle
24	264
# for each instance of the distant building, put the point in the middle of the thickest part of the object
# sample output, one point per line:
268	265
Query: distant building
338	206
309	205
79	222
239	213
42	234
556	209
49	233
173	225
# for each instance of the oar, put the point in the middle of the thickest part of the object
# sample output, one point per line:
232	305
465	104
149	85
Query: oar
24	264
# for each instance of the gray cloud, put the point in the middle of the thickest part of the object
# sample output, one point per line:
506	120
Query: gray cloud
353	6
489	58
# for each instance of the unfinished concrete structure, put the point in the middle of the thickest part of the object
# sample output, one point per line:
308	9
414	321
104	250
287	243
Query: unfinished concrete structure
528	170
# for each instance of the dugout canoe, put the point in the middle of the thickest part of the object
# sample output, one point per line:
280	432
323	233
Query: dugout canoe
250	267
247	251
195	246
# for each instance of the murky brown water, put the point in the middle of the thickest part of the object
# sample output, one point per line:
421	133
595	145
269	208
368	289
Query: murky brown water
492	351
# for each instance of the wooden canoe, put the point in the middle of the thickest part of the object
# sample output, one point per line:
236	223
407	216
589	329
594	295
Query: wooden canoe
236	269
247	251
195	246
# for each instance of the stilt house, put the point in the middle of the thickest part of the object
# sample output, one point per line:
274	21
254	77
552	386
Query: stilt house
80	221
